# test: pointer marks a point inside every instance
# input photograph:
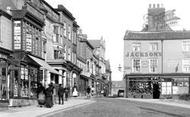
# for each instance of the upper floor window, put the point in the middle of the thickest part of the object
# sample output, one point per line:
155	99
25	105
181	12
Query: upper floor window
88	66
154	46
56	34
65	52
28	42
136	46
56	54
17	34
69	54
64	29
153	65
69	32
186	45
186	65
55	29
136	65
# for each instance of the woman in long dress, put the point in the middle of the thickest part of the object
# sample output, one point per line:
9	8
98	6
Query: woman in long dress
75	92
48	96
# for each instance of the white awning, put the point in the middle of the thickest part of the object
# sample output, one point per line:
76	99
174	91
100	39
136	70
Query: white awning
44	65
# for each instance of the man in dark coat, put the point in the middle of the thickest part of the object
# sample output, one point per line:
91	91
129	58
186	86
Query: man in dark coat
60	94
88	90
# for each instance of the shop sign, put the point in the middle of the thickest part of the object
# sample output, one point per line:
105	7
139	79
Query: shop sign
17	34
143	54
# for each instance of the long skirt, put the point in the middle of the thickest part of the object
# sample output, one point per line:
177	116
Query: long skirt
49	102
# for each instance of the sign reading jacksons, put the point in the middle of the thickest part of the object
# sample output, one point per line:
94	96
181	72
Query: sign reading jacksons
143	54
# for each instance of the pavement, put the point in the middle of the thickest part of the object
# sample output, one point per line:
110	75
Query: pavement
170	102
36	111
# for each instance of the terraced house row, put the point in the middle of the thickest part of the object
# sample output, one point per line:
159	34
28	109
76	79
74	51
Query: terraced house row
42	44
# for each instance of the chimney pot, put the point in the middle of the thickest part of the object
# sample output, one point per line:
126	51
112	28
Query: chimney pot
153	5
149	5
158	5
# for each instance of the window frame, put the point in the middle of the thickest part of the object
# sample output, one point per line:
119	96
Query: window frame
153	65
184	63
186	46
134	67
136	47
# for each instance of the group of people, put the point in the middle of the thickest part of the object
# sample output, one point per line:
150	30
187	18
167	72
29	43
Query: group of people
46	96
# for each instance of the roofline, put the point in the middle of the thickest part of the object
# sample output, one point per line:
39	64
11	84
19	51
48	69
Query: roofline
156	74
50	7
65	11
157	35
2	12
88	43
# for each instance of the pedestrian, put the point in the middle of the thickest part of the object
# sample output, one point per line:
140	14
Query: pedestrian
66	90
53	92
88	90
60	94
48	96
74	90
41	95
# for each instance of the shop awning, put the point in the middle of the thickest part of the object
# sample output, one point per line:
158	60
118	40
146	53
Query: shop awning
44	65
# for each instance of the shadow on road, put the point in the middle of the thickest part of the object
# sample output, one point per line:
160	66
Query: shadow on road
158	111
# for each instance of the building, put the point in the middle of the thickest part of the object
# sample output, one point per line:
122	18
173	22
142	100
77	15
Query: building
99	51
86	62
69	51
116	86
157	56
24	40
6	58
109	78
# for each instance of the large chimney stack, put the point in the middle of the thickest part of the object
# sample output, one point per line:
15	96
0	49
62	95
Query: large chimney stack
156	14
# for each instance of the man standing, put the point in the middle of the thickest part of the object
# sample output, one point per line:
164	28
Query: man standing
88	90
60	94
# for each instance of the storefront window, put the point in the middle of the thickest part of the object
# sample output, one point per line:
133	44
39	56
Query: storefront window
33	82
180	85
15	87
24	82
3	85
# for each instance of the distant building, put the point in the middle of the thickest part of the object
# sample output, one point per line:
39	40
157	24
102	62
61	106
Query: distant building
116	86
86	62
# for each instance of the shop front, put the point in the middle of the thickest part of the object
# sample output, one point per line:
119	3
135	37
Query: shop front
166	85
25	79
83	84
7	66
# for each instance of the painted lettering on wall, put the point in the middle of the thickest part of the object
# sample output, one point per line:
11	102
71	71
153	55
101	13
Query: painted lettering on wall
143	54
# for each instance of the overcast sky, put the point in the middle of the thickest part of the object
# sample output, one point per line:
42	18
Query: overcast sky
111	18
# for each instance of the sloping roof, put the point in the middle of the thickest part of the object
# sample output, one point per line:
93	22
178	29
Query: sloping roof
65	11
87	42
137	35
95	43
